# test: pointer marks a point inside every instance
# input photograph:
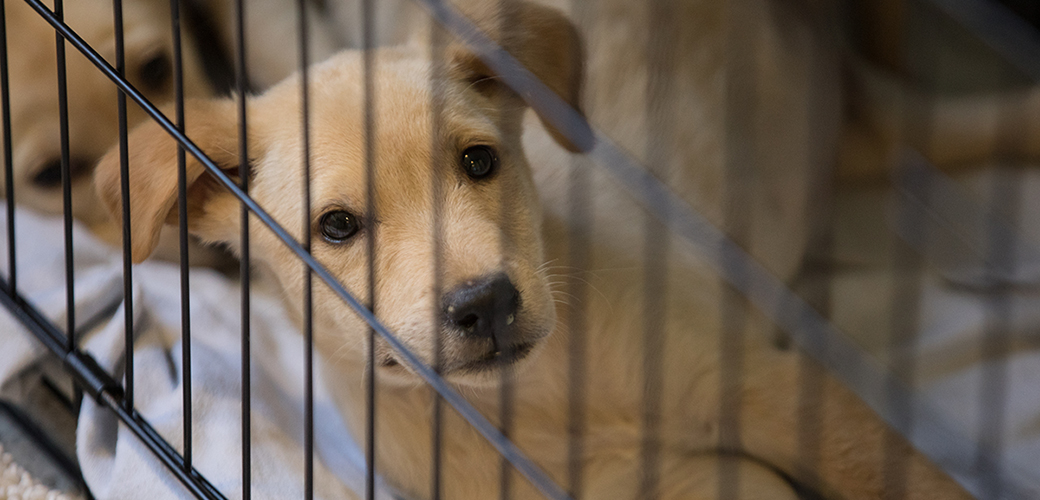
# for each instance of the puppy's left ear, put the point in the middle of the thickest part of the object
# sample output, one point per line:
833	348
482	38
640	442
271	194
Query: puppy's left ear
547	44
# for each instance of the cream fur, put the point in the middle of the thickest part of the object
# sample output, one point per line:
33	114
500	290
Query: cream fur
93	118
93	125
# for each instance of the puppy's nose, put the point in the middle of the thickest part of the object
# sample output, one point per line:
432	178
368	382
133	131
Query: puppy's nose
49	176
484	308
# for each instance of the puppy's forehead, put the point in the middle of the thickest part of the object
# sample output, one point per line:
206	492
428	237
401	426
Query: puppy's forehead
408	138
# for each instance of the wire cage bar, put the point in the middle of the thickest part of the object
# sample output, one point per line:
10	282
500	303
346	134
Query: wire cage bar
747	280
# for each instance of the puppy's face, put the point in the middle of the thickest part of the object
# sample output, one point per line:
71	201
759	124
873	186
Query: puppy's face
464	178
437	207
92	111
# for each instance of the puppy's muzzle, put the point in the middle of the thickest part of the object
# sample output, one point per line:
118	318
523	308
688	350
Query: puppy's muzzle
484	314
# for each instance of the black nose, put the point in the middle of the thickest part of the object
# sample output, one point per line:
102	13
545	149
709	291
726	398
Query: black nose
484	308
49	176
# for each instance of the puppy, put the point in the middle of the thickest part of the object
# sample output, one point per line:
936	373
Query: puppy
461	247
93	118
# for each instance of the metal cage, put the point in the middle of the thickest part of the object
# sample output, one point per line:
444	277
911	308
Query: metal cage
803	324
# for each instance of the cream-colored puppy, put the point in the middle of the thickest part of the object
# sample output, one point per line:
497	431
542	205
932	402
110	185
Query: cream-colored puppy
488	302
93	118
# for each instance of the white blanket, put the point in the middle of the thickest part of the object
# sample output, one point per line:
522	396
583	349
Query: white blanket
115	464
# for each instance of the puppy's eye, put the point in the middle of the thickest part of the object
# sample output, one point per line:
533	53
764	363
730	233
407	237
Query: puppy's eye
479	161
156	72
338	226
49	177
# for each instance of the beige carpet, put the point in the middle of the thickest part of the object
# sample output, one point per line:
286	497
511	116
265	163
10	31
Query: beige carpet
17	484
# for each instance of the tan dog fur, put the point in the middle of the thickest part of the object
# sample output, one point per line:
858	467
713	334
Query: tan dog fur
93	122
93	119
498	225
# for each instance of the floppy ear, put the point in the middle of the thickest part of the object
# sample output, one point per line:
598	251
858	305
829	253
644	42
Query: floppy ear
153	174
545	42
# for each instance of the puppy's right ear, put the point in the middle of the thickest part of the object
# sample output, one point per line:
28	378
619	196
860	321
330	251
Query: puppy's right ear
153	173
545	42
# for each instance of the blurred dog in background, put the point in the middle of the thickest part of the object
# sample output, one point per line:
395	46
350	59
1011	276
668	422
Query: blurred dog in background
149	54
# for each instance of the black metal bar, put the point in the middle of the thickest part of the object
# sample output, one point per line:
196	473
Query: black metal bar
5	116
437	73
909	267
506	29
810	417
182	212
658	50
740	170
437	421
124	182
241	83
54	340
578	253
814	281
368	60
655	255
579	220
66	183
308	325
506	408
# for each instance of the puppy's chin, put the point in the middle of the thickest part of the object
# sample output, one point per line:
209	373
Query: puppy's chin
486	370
490	371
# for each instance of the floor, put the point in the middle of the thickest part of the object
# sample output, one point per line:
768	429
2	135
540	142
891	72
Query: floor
39	435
